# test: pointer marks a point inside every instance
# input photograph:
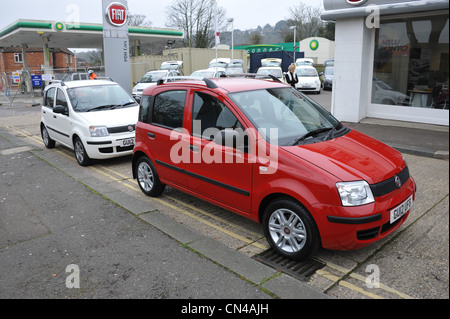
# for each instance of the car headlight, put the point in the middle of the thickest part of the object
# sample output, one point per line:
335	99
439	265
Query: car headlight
98	131
355	193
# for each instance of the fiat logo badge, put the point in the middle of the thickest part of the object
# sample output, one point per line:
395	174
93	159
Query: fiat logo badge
356	2
130	128
398	182
117	14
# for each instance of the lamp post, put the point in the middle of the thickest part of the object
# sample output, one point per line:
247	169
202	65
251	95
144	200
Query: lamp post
295	34
169	45
232	37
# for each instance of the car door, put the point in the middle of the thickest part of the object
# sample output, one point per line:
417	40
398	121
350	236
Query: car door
219	171
165	134
47	113
62	124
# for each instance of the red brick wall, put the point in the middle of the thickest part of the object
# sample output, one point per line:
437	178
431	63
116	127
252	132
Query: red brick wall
34	61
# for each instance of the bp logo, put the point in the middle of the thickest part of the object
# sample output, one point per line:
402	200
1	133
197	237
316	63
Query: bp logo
314	45
59	26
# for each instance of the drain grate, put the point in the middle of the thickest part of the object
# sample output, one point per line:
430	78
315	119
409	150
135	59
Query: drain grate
298	269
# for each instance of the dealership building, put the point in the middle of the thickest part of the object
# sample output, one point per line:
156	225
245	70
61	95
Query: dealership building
391	59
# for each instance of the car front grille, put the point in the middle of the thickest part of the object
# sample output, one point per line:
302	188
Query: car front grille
388	186
122	129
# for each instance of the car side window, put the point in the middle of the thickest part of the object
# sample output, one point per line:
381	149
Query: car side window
50	98
208	112
145	107
168	109
61	98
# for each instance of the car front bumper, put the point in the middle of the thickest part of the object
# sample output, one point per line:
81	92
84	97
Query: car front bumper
349	228
111	146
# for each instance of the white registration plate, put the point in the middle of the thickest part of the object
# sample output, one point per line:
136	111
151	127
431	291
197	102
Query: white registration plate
401	209
127	142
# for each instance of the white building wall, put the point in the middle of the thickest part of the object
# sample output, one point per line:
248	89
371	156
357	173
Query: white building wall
324	52
353	65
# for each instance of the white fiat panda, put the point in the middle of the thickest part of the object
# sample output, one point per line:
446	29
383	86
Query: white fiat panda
95	118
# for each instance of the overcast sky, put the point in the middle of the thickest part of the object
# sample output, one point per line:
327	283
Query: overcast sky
247	14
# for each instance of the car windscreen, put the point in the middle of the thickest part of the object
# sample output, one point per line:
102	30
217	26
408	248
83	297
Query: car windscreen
306	72
152	77
329	71
99	97
275	72
204	74
284	115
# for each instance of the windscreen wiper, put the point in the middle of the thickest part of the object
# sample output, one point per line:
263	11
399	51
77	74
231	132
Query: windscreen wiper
310	133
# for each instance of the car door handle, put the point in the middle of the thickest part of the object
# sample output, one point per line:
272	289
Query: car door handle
54	116
151	135
193	148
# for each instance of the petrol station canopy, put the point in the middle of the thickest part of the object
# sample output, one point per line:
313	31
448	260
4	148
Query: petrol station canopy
83	35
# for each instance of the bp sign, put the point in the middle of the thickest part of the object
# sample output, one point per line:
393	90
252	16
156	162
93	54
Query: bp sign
314	45
116	14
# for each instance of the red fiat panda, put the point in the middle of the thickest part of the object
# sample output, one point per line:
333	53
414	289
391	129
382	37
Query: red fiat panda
266	151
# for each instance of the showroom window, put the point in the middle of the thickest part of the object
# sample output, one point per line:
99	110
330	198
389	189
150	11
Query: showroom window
411	62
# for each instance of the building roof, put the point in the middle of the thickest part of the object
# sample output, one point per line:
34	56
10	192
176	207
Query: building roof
70	35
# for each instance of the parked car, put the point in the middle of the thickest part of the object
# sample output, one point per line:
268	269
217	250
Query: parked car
265	72
219	62
265	151
328	76
383	93
329	62
304	61
308	79
96	119
173	66
216	72
235	66
150	79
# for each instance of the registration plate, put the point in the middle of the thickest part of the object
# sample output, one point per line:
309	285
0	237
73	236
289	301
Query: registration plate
127	142
401	209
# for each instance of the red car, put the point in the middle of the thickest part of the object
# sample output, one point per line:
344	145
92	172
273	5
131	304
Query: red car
266	151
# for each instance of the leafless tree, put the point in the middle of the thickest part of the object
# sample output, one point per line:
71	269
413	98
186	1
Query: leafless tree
307	20
197	19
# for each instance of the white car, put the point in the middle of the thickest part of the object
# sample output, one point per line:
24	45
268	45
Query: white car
150	79
265	72
95	118
215	72
308	79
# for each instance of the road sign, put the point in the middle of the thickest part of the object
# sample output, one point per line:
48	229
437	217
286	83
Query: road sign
16	77
36	80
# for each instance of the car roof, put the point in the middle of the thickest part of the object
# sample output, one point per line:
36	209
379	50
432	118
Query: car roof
81	83
228	85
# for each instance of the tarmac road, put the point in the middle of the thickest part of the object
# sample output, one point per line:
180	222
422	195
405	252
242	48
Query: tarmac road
115	235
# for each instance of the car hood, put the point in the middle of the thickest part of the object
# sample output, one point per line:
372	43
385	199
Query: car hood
352	157
112	118
308	79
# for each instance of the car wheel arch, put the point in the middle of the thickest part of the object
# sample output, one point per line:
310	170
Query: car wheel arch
275	196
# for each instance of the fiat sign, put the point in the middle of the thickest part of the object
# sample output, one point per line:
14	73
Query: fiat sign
117	14
355	2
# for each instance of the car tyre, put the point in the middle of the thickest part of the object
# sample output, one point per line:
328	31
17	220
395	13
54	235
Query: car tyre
147	177
290	229
80	152
48	142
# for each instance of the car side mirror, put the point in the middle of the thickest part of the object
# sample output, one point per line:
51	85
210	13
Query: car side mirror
321	73
60	110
